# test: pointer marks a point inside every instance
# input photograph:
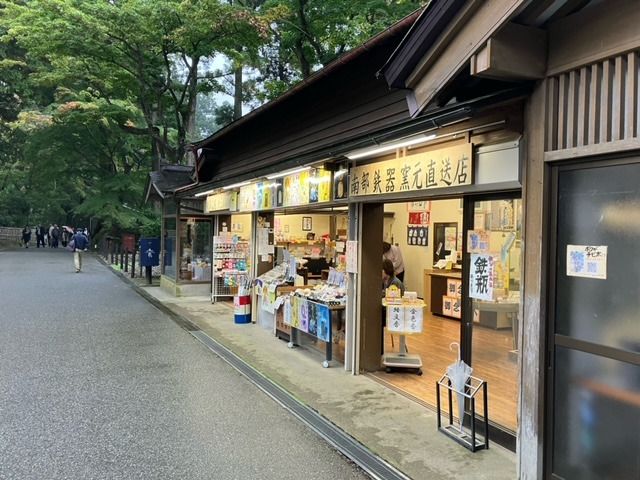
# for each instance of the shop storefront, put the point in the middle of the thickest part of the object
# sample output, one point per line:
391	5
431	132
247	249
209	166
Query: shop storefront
186	247
285	236
448	205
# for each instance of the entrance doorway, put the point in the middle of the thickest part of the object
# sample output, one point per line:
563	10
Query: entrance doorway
593	387
432	241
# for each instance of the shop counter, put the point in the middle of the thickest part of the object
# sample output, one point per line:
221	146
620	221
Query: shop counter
435	288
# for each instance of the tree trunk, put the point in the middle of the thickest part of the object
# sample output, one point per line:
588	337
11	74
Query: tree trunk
237	93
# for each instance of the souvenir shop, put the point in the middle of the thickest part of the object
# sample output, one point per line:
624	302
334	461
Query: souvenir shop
452	208
283	239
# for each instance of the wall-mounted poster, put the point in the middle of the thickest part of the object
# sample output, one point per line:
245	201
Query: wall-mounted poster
418	236
419	218
481	277
450	238
424	206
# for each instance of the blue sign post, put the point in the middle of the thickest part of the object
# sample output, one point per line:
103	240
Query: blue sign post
149	254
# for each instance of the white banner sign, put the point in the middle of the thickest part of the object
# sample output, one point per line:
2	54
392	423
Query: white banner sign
481	277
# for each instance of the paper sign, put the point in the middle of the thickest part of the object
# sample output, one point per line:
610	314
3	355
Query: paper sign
413	319
417	235
478	241
454	287
352	256
588	261
481	277
395	318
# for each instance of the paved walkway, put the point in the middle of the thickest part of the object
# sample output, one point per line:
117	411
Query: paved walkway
399	430
96	383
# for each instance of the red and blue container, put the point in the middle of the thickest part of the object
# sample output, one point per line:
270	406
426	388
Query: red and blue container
242	309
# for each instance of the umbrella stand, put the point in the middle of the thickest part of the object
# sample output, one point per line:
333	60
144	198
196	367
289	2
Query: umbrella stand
458	380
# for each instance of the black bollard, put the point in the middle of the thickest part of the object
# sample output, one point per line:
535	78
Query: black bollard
133	264
148	271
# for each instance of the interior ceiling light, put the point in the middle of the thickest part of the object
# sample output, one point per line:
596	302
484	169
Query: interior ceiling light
390	147
290	172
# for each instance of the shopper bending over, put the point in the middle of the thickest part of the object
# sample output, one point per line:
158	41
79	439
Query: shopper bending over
392	253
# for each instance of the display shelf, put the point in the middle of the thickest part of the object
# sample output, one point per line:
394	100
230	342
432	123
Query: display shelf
230	265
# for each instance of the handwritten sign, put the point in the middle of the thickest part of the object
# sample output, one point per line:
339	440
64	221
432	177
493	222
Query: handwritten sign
588	261
481	277
352	256
449	167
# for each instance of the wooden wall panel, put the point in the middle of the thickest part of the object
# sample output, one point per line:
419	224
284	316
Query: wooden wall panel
594	104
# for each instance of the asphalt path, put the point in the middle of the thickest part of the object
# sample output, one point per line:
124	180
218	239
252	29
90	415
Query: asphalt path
96	383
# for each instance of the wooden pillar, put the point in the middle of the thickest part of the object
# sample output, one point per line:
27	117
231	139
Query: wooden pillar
532	319
370	288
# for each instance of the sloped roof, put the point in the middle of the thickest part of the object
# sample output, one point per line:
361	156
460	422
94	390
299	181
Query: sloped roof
168	179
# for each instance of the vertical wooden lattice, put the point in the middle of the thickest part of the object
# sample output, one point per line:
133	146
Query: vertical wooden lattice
594	104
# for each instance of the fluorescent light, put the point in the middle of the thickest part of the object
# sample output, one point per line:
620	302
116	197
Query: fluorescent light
202	194
339	173
236	185
290	172
390	147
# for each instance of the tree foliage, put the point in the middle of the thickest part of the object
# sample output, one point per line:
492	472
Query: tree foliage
96	93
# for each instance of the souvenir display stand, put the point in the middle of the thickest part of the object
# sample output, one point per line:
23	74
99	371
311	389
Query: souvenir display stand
314	311
405	317
230	265
472	386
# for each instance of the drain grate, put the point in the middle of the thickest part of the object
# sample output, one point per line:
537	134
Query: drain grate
349	447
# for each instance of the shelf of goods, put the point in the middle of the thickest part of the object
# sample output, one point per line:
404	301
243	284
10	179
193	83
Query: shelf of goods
315	311
230	265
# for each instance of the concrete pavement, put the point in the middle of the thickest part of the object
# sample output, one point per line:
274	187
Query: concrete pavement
399	430
95	382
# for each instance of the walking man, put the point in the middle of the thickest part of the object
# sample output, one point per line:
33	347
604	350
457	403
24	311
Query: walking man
80	244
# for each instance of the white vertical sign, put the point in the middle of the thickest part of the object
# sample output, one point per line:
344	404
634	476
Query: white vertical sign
481	277
352	256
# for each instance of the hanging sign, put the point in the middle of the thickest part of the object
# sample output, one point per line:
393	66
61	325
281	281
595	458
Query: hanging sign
449	167
248	198
481	277
352	256
218	202
310	186
588	261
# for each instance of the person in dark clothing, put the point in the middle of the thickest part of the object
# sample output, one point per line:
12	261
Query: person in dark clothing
55	235
26	236
388	279
80	244
40	232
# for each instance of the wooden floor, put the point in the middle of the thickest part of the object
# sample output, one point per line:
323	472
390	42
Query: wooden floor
492	357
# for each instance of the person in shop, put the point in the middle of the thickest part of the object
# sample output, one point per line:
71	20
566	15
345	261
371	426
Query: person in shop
389	278
393	254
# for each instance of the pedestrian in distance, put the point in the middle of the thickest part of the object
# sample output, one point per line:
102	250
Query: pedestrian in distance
55	235
79	244
26	236
40	232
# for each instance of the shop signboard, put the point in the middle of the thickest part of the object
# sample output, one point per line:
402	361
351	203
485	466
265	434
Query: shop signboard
341	185
248	198
481	277
218	202
309	186
448	167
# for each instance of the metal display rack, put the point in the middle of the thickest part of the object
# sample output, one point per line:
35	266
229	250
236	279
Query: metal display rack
230	266
472	386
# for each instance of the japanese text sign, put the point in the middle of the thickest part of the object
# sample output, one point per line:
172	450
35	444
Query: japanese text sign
481	277
587	261
449	167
